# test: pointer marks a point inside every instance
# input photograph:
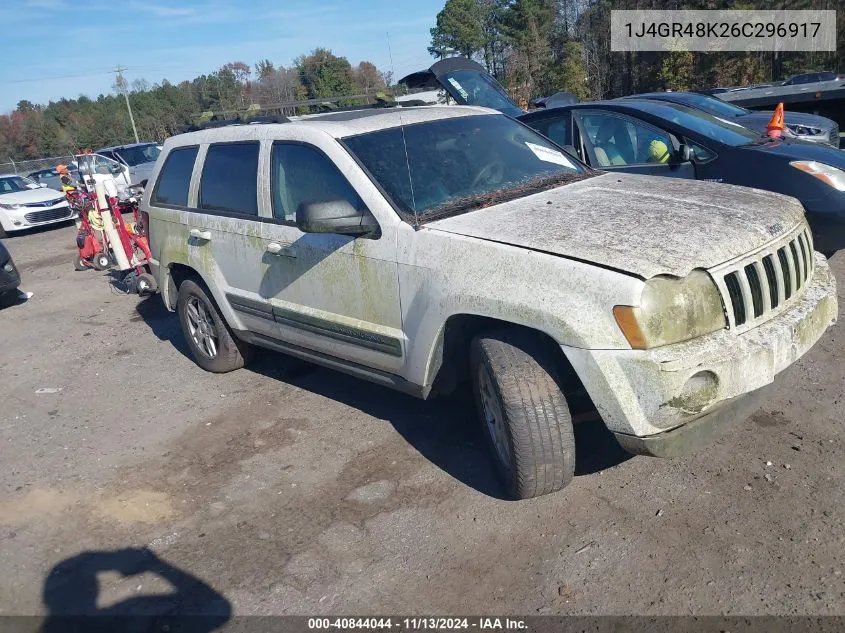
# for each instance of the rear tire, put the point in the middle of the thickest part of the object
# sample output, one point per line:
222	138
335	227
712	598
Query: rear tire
212	343
524	413
79	265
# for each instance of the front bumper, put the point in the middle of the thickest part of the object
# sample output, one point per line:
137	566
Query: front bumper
641	393
9	279
29	217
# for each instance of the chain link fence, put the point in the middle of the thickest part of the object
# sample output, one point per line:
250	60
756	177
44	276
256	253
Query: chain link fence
24	167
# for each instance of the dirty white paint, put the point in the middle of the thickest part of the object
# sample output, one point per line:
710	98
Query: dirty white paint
637	224
556	261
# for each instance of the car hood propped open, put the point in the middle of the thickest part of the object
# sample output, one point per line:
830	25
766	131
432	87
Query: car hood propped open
640	225
466	81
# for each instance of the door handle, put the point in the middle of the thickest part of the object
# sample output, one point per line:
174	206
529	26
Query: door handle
201	235
283	250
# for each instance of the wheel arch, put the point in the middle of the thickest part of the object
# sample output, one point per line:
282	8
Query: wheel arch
448	364
175	274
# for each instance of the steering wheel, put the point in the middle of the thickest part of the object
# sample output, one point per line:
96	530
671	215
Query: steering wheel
491	173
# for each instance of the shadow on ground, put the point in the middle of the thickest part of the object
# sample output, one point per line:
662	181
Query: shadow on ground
163	324
71	592
444	429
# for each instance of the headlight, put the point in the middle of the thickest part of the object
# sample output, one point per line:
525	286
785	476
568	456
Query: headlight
9	207
672	310
827	174
804	130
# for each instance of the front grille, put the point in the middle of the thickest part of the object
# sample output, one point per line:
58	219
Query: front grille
41	205
753	289
48	214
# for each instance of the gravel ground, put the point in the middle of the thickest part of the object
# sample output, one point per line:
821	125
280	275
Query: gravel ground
287	488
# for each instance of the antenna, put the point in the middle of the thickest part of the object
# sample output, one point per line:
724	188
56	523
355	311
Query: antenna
404	141
121	84
390	52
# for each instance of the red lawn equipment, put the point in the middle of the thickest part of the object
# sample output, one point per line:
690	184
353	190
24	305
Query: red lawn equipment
128	241
91	253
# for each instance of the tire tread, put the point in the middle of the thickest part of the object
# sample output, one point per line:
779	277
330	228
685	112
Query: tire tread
537	416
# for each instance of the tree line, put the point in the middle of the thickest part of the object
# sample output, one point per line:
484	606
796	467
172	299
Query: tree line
67	125
537	47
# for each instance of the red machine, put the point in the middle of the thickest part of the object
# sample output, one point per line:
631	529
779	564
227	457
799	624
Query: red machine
91	252
124	245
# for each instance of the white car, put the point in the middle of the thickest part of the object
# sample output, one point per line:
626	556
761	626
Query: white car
22	207
417	247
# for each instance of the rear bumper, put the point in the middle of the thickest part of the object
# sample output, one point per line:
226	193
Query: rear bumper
702	382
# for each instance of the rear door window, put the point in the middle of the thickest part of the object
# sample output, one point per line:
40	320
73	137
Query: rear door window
230	179
175	178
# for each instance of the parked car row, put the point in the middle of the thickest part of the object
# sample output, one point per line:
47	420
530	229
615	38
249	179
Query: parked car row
130	164
420	247
679	135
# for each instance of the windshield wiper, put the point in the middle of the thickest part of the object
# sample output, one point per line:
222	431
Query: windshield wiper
491	198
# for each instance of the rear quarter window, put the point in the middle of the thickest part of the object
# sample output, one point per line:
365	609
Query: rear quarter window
230	179
175	177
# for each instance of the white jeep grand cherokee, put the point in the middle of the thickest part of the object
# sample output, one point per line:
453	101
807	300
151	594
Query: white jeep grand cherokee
416	246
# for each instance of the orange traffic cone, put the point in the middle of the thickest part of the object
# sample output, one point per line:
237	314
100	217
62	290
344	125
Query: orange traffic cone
775	127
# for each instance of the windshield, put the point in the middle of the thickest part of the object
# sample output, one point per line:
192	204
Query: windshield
713	105
713	127
458	164
12	184
139	154
470	87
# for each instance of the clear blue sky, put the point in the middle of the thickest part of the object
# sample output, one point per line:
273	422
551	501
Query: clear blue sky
53	49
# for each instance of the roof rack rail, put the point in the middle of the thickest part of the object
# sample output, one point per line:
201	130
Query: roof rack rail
238	120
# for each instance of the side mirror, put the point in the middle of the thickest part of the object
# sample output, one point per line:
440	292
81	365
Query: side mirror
143	183
334	216
116	169
684	153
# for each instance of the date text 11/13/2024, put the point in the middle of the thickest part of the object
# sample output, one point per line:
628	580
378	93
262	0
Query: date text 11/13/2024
417	623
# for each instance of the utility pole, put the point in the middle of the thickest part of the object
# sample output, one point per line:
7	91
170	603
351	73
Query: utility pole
121	84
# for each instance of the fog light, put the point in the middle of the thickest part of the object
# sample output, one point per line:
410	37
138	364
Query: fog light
17	222
9	267
698	392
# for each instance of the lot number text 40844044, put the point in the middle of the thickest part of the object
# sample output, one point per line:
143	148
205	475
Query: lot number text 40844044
417	624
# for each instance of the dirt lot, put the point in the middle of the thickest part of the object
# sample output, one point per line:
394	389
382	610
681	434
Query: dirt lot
288	488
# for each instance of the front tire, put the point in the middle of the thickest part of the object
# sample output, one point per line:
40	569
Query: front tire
524	413
212	343
102	261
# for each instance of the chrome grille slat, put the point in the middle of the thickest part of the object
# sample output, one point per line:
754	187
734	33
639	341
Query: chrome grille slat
786	271
806	260
764	286
758	285
799	265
